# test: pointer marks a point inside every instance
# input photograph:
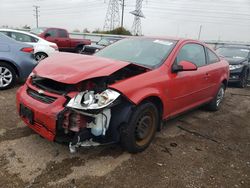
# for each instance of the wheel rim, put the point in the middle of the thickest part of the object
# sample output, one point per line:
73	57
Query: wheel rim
244	80
40	57
5	76
80	50
145	127
220	96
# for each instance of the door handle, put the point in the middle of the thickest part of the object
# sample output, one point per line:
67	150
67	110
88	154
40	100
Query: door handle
207	76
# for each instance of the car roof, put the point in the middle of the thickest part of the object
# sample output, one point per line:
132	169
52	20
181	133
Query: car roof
20	31
234	46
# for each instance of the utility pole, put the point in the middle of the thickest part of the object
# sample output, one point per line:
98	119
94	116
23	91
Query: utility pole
199	35
36	13
123	5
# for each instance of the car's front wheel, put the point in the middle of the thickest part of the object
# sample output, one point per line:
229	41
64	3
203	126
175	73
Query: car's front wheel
7	76
244	79
137	135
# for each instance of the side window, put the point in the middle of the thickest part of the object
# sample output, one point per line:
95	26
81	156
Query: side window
193	53
22	37
62	33
51	32
212	57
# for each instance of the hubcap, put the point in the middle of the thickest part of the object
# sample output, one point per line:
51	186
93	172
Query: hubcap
220	96
144	128
40	57
5	77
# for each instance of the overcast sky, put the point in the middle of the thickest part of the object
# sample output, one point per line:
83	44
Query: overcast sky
220	19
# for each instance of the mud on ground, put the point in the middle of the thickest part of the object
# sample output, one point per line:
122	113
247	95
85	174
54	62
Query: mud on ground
198	149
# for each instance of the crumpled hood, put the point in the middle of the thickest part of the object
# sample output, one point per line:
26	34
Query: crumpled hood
72	68
235	61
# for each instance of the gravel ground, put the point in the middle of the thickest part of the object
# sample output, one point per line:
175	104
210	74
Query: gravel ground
198	149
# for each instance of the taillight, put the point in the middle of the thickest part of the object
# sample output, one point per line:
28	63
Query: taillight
28	50
54	46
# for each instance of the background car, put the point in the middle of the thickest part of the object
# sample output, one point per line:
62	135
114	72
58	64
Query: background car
106	41
122	93
239	60
61	38
42	48
16	61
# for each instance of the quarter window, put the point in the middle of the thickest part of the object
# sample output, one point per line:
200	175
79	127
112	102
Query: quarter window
193	53
212	57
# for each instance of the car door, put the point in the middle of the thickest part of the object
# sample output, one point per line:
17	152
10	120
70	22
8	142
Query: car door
214	72
63	39
51	35
188	88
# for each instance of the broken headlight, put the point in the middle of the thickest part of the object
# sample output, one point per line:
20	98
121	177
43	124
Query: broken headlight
88	100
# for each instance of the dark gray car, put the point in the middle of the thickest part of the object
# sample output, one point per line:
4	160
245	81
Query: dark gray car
16	61
239	60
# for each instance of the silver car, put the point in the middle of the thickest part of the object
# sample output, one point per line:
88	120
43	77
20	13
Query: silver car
16	61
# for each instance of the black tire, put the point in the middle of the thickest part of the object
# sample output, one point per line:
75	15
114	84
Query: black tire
79	49
137	135
10	76
39	56
214	105
243	79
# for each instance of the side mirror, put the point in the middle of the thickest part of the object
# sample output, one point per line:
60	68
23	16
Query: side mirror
184	66
47	35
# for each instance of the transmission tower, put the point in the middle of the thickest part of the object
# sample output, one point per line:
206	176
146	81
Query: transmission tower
112	19
136	28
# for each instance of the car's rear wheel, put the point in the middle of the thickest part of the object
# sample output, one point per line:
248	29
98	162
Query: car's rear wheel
80	49
39	56
141	129
214	105
7	76
244	79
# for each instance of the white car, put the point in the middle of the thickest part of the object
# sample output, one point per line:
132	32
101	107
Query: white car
42	48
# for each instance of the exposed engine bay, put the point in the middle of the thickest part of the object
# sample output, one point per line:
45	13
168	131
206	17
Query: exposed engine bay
91	117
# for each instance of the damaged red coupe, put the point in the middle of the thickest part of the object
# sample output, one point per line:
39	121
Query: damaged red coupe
122	93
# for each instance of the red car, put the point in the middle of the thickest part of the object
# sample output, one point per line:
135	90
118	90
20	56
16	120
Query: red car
122	93
62	39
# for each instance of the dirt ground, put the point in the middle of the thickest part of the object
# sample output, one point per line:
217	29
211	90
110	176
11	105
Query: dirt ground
198	149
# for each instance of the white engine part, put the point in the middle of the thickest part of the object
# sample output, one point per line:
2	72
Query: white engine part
101	123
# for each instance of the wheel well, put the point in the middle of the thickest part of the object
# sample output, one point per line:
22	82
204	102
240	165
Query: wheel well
12	65
79	45
158	103
41	53
225	82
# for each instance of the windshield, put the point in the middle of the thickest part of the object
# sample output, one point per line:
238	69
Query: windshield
146	52
38	30
233	52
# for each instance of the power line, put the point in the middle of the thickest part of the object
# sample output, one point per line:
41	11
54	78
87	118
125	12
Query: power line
36	13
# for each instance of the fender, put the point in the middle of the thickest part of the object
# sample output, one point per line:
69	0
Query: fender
19	73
